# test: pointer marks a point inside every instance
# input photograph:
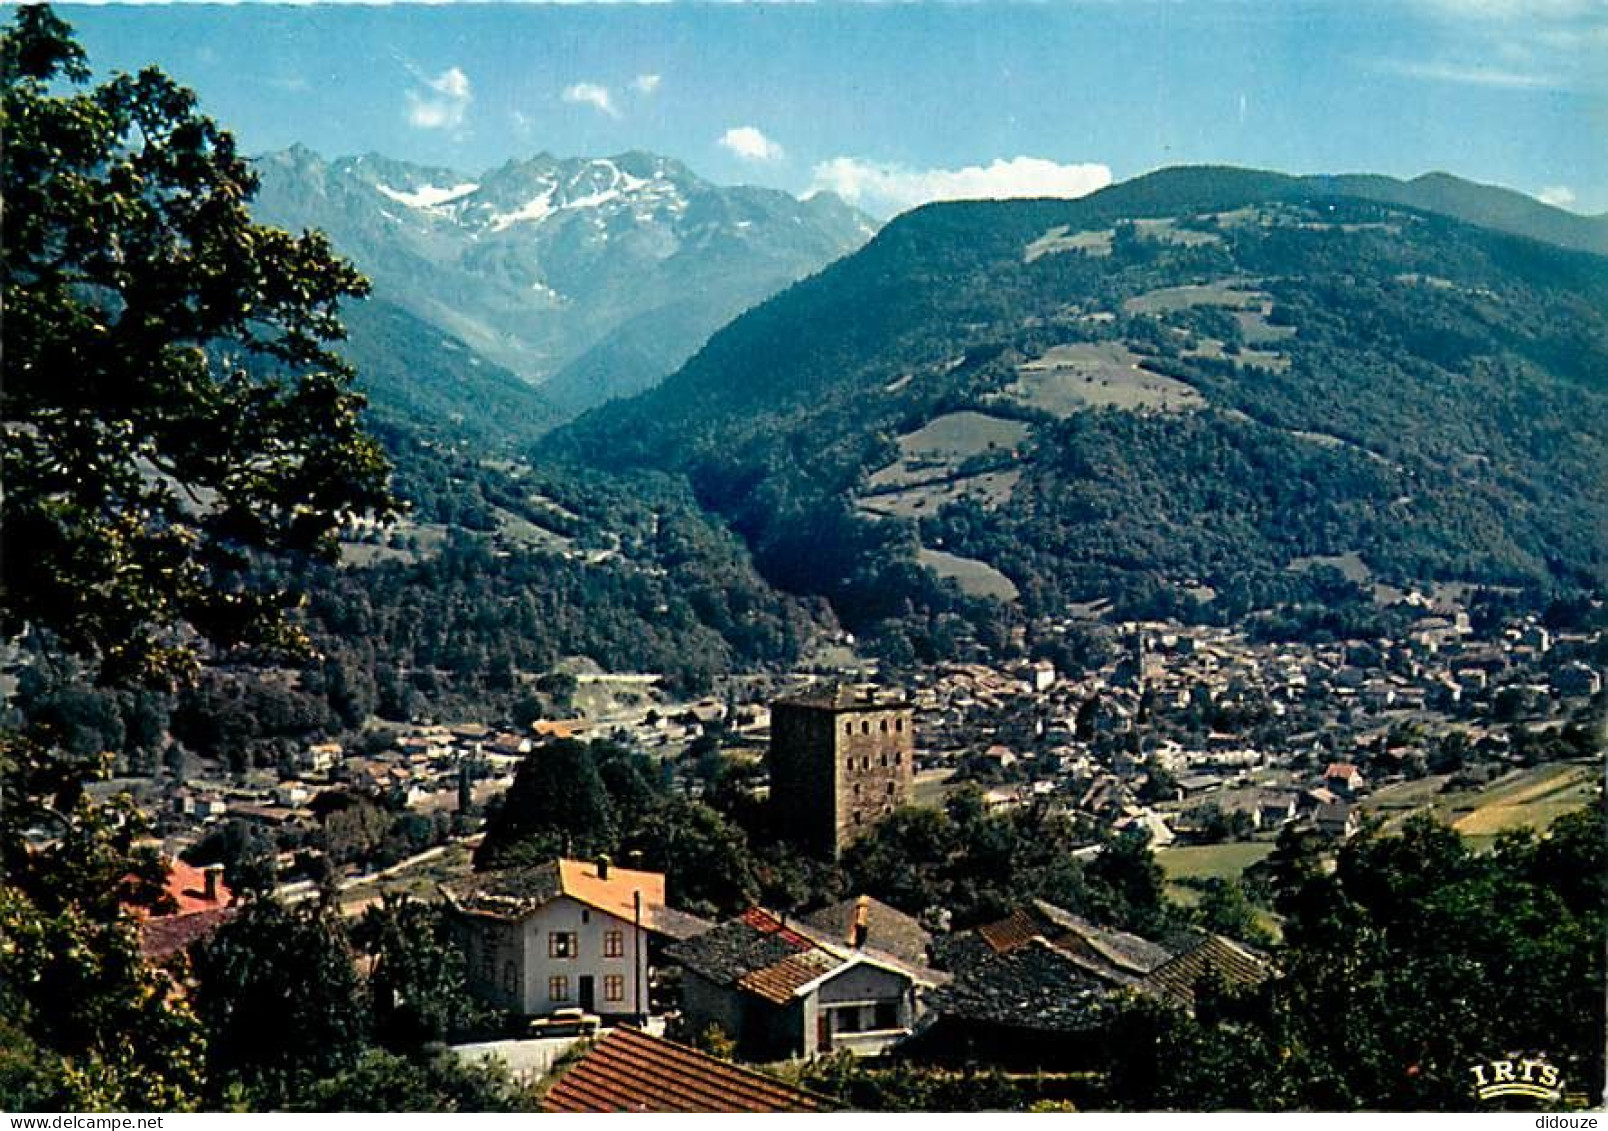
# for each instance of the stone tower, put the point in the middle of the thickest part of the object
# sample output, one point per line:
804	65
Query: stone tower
840	760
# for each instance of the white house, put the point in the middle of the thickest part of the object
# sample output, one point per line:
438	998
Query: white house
564	933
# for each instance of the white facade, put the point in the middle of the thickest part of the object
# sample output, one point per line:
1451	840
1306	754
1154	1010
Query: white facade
563	954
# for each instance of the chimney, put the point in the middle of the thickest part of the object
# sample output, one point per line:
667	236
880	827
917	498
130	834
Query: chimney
209	877
603	867
862	922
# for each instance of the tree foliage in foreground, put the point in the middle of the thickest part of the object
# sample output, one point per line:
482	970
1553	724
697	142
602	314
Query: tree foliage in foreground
170	402
170	408
1414	959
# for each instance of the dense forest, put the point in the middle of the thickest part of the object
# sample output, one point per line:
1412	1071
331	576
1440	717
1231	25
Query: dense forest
1417	391
457	618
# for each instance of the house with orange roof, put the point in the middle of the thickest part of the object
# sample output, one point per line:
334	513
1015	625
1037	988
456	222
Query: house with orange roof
200	903
1344	779
565	934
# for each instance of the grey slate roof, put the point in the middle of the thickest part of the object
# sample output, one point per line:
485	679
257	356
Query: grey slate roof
509	891
1213	957
679	924
733	950
1127	951
888	929
1035	987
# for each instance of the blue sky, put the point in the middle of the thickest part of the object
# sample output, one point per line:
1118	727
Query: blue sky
894	103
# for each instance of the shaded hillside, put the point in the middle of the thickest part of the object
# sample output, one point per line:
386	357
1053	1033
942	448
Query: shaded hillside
1220	378
417	375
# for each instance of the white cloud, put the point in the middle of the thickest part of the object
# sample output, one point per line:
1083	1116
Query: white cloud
646	84
887	188
750	144
446	103
1559	196
1476	75
1515	9
591	94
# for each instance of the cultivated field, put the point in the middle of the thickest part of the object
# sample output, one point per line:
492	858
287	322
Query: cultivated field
1168	231
420	881
1228	293
938	448
975	578
1250	309
927	473
1074	378
1095	243
931	788
1208	861
1350	565
1530	798
428	538
990	489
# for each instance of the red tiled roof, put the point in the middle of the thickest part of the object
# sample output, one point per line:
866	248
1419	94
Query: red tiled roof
187	885
194	916
1012	932
762	920
630	1071
166	935
776	982
1341	770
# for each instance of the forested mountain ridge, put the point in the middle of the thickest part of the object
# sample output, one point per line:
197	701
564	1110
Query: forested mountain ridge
416	375
1192	384
1486	206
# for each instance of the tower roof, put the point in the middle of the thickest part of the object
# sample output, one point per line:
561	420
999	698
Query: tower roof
846	697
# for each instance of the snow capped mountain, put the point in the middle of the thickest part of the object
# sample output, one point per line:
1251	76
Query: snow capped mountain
592	277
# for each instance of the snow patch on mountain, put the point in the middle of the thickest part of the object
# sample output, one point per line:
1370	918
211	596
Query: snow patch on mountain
428	197
534	211
593	199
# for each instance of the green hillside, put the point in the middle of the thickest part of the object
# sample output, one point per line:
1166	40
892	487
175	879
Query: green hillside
1221	375
417	375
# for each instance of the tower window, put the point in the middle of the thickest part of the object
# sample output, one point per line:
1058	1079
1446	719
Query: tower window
890	789
898	725
865	727
848	728
884	726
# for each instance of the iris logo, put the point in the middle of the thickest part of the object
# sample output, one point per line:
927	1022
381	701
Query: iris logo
1517	1076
